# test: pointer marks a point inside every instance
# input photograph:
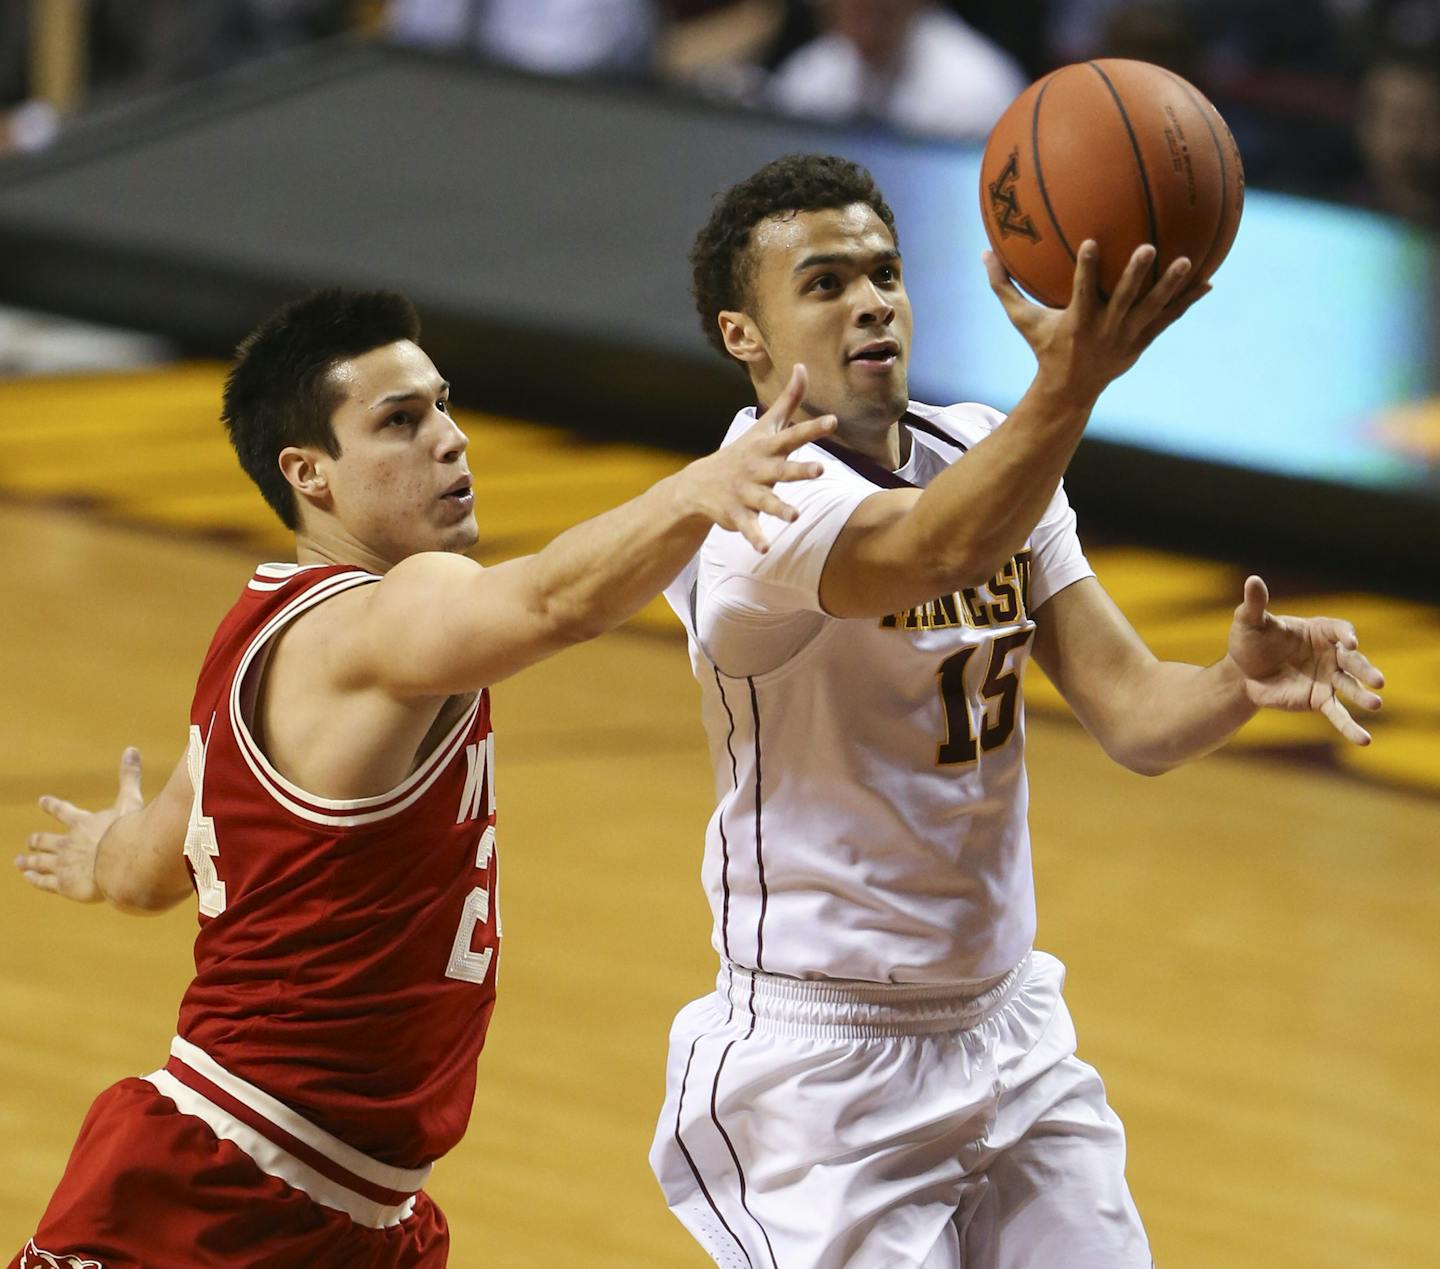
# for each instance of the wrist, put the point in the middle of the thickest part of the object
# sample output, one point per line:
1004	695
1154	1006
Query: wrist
1057	399
682	495
1233	682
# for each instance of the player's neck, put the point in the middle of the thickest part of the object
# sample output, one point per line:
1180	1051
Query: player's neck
888	445
330	547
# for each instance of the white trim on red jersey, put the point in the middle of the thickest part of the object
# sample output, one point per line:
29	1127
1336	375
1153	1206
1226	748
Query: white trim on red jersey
342	1163
310	806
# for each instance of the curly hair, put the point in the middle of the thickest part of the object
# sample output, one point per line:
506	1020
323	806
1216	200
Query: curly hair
722	264
279	393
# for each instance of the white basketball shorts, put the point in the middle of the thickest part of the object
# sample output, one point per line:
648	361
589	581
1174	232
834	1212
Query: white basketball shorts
824	1124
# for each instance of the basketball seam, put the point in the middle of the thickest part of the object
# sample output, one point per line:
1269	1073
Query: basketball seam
1219	153
1140	163
1039	172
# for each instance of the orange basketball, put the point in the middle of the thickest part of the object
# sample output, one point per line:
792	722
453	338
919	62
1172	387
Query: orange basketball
1119	151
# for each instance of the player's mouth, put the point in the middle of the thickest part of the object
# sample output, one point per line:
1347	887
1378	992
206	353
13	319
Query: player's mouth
461	494
879	356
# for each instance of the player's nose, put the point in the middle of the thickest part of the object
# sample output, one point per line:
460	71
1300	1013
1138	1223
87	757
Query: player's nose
453	441
872	306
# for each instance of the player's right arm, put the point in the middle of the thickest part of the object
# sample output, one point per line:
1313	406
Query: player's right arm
131	853
441	624
904	547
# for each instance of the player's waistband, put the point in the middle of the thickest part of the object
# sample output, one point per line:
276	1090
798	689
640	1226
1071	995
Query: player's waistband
843	1008
284	1144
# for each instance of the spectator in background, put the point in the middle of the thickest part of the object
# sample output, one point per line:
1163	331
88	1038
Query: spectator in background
559	37
907	63
1397	123
131	46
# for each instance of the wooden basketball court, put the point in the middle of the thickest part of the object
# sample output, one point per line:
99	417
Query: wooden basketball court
1253	941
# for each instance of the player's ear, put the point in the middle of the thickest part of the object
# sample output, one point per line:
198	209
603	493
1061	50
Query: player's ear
303	469
742	337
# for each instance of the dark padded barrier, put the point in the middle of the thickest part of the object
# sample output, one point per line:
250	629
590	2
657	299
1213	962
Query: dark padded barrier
541	227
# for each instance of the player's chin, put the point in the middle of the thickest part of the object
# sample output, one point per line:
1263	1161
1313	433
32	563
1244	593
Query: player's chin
461	536
889	394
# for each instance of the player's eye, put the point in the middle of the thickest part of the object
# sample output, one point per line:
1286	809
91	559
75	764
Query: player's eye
443	405
399	419
825	282
887	275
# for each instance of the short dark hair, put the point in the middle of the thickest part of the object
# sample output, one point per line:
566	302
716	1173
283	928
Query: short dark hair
279	393
723	269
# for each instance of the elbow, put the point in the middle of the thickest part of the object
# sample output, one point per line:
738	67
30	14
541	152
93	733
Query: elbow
143	905
1137	753
960	565
1149	767
1141	760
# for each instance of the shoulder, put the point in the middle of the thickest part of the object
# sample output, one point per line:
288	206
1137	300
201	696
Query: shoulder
407	599
967	422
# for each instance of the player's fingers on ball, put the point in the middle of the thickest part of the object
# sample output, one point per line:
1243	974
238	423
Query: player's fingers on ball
46	843
65	812
1085	290
1132	282
1004	287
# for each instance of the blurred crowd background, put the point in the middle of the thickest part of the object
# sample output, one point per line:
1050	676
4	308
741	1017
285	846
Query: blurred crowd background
1338	99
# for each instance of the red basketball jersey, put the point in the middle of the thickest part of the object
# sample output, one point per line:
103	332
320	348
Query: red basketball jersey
346	958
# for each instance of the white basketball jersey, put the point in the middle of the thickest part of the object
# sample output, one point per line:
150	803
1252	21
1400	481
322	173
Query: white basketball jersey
869	772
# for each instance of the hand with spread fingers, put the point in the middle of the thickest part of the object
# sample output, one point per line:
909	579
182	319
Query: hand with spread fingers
1303	663
734	486
64	863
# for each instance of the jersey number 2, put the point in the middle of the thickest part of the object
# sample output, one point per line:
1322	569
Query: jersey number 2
465	964
1001	686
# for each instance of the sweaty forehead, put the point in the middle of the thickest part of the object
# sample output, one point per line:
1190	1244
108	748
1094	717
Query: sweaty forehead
401	366
786	239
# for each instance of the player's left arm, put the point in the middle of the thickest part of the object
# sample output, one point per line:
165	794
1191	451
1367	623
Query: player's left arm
1151	715
131	853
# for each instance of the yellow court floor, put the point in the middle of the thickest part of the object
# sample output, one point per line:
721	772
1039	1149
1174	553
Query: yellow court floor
1253	941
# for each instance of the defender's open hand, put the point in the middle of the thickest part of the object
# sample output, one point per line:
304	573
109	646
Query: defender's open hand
1303	663
734	486
64	863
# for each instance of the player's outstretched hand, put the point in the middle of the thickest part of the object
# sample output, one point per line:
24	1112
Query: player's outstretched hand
1303	663
1093	341
734	486
64	863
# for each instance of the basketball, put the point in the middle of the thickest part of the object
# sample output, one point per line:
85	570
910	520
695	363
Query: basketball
1120	151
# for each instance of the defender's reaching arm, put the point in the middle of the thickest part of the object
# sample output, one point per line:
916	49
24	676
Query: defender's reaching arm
440	624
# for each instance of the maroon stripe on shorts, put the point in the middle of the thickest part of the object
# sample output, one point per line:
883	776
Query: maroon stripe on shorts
730	1146
276	1135
695	1171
